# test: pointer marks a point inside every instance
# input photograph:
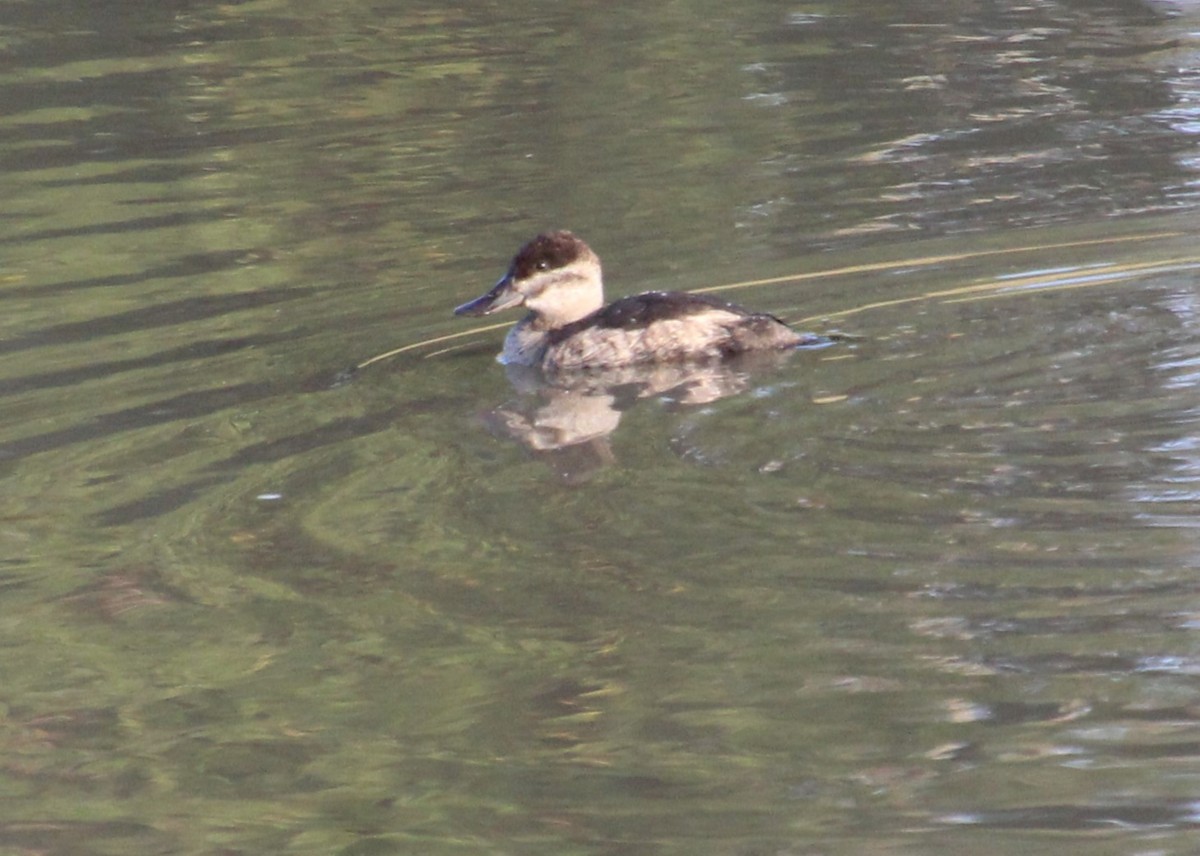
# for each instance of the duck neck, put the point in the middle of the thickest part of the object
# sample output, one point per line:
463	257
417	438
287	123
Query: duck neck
525	344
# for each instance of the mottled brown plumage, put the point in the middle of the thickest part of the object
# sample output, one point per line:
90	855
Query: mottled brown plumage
558	278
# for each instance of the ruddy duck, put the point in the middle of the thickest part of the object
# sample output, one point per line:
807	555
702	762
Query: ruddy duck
556	276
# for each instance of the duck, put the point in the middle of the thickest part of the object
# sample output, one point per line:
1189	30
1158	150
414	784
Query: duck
557	277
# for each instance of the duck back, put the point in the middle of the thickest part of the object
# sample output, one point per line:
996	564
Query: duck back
663	325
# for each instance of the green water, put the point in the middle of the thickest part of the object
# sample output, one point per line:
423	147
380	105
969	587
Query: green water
927	591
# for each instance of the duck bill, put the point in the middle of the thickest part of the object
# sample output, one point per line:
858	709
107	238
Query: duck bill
502	296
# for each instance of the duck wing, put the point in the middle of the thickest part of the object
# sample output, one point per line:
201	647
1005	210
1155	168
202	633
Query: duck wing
639	311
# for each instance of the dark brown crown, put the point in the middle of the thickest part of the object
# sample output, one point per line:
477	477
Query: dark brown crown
548	251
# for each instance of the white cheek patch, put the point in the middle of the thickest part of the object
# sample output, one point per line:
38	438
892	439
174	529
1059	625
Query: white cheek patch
564	295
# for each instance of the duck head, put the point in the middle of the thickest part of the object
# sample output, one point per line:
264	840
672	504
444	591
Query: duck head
556	276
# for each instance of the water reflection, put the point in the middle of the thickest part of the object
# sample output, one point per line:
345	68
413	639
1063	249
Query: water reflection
553	415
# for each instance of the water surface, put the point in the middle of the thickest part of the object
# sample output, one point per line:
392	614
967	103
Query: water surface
926	591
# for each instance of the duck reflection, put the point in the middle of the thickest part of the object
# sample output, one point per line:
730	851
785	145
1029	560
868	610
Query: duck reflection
568	419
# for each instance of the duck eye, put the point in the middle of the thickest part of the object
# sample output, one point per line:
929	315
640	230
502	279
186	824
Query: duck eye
543	265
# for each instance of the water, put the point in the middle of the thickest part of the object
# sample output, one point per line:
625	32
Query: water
931	590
